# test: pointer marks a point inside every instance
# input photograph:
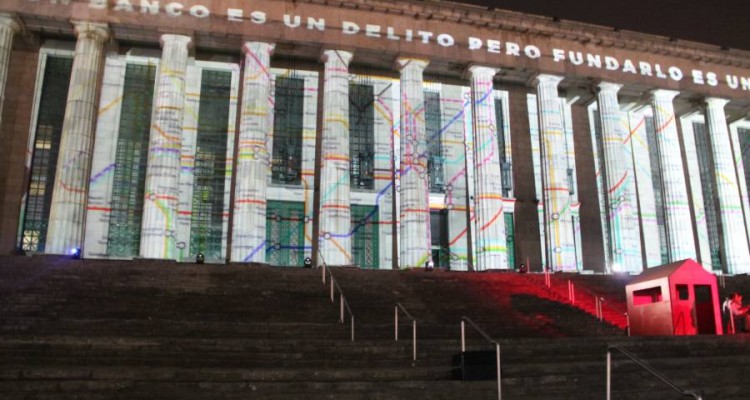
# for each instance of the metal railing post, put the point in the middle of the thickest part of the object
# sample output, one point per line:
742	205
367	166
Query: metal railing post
463	337
609	374
596	304
497	359
627	321
395	323
341	301
570	296
352	320
489	339
323	271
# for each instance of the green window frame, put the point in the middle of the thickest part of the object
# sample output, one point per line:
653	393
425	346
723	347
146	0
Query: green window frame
47	138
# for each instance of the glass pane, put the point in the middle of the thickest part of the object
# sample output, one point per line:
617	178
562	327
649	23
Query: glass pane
207	218
285	233
433	124
510	240
656	179
361	136
287	130
365	236
129	177
46	146
705	165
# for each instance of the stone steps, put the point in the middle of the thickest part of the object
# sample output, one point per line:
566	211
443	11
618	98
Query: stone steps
142	330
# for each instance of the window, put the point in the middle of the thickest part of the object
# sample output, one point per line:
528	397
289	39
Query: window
287	131
682	292
433	125
656	180
361	136
131	158
647	296
505	166
46	145
706	167
207	223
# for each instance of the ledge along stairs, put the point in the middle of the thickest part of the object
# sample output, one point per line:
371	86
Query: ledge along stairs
94	329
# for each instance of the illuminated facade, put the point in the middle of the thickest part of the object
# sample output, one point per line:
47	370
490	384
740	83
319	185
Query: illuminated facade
381	134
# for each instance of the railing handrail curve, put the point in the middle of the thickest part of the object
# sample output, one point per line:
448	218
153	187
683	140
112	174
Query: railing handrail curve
399	305
413	330
478	329
344	305
489	339
643	364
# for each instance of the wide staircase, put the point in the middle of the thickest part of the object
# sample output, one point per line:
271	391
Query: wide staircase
88	329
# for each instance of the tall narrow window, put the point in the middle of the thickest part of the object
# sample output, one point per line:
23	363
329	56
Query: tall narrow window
130	161
743	135
656	179
433	125
361	136
505	167
603	202
285	233
440	240
365	237
706	168
210	164
287	130
46	146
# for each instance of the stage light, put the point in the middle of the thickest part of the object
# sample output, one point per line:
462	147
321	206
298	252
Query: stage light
75	253
200	258
308	262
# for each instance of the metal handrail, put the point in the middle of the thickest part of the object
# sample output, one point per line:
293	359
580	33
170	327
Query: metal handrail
489	339
342	300
413	329
650	369
599	302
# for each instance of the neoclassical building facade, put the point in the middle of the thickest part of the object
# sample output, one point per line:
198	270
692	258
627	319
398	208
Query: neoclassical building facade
378	133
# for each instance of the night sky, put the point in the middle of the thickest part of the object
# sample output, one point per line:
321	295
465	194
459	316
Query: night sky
719	22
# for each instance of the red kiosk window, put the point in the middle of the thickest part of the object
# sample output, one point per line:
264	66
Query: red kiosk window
647	296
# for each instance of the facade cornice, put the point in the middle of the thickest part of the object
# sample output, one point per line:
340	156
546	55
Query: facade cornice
530	24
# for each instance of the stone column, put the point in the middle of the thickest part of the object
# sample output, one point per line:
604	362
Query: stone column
488	198
68	207
415	242
9	26
734	246
619	183
253	155
165	144
557	217
335	210
679	226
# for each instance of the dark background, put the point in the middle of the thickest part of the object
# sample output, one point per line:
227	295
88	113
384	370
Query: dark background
720	22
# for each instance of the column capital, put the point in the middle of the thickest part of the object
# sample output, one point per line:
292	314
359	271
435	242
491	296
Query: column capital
169	38
663	94
11	21
546	79
330	54
258	47
476	71
716	102
403	63
609	87
91	30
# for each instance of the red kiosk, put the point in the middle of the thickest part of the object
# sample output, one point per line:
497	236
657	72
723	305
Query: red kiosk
680	298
